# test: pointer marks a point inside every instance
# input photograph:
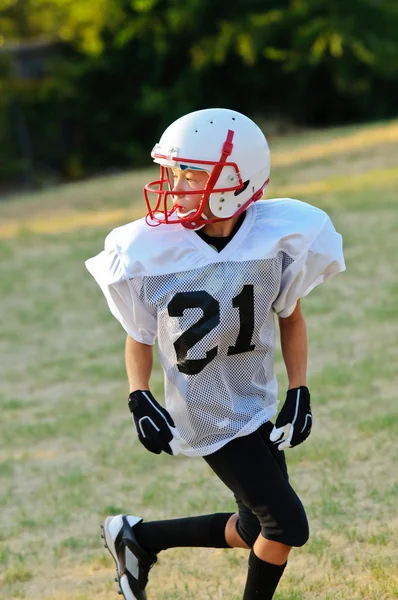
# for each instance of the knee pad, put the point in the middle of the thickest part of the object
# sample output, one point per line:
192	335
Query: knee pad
292	530
248	531
300	535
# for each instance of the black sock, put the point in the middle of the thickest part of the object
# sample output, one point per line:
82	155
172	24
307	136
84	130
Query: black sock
262	579
207	531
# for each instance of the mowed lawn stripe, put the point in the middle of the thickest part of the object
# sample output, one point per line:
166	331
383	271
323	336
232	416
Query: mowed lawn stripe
360	140
71	221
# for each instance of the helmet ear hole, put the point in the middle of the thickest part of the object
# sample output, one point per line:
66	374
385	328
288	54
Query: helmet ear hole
242	189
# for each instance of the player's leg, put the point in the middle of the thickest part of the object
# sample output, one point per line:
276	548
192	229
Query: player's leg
217	530
268	558
232	536
134	545
204	531
248	530
243	528
252	469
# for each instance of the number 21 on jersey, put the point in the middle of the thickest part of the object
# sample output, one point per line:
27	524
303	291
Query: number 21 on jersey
210	319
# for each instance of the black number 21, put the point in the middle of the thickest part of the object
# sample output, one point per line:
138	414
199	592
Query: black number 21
210	319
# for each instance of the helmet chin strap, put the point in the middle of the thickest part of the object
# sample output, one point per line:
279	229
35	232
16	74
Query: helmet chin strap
213	178
192	225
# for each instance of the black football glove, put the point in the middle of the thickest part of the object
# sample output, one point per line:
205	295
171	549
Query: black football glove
295	412
153	423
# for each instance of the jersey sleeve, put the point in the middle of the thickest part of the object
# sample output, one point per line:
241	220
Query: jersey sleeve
322	259
122	297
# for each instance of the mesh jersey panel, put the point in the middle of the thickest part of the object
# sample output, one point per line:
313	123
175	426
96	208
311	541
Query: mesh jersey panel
216	339
214	318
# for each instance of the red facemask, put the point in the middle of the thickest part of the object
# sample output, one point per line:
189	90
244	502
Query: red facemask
165	211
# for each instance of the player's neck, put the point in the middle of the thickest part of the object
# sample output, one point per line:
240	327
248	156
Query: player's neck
221	228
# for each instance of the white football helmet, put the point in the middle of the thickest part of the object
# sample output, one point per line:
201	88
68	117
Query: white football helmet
226	144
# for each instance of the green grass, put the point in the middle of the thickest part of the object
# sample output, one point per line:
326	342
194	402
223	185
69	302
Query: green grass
68	452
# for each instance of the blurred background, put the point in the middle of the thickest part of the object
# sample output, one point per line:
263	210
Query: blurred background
87	87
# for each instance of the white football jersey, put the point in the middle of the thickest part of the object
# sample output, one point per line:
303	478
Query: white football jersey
213	312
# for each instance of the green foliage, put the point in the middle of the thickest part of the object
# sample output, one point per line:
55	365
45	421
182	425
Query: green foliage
123	69
81	23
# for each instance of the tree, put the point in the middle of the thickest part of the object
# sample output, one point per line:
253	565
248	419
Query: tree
129	67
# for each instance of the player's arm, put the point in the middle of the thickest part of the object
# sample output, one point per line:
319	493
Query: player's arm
296	411
153	423
293	334
139	361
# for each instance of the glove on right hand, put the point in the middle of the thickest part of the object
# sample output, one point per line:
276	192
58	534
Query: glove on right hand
152	421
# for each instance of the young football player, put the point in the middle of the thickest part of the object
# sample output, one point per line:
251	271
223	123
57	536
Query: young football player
205	273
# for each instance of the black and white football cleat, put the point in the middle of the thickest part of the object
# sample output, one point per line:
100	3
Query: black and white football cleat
132	562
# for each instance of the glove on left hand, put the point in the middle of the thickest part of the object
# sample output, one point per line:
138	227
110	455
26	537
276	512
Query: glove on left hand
295	412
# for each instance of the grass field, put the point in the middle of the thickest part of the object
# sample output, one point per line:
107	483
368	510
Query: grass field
68	453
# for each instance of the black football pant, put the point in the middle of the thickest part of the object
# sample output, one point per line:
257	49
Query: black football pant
255	471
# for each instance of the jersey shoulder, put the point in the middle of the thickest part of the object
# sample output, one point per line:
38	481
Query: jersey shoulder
291	212
143	250
290	224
